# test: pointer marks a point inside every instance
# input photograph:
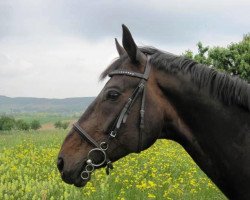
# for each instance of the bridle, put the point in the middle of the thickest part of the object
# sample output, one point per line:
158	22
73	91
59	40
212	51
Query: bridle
103	146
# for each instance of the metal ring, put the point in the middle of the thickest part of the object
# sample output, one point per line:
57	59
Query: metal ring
89	168
89	162
104	157
102	145
85	175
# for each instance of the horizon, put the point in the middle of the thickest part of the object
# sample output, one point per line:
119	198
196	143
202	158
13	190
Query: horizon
47	97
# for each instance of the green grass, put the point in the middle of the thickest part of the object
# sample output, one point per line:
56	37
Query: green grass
44	118
165	171
40	138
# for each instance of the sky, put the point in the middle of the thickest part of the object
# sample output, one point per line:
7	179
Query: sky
57	49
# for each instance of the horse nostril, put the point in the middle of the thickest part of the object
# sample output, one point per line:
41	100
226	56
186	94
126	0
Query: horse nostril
60	164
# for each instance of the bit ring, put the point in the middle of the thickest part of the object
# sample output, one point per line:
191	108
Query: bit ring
85	175
97	150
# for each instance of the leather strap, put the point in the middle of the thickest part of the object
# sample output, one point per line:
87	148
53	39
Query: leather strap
85	135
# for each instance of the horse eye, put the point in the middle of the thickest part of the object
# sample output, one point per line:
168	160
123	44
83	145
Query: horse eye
113	95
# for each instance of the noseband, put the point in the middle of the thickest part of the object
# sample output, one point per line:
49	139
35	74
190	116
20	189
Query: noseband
102	148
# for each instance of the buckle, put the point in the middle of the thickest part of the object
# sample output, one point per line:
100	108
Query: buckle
113	134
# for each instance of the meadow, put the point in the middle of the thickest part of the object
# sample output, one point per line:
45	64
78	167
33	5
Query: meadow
164	171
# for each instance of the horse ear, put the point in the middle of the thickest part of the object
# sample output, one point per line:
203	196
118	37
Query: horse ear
129	45
119	48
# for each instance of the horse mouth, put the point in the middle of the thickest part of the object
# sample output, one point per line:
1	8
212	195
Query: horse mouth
76	179
80	183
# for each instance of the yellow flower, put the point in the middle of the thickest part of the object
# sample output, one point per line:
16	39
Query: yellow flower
151	196
151	184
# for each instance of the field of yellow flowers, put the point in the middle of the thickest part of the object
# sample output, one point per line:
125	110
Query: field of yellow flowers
165	171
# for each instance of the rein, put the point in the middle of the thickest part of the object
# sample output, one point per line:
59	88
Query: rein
102	148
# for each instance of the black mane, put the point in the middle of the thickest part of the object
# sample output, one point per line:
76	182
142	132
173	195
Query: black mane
231	90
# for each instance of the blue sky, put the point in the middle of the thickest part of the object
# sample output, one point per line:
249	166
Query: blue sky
59	48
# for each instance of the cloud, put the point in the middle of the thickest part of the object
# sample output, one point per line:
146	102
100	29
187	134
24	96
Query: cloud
157	20
64	67
58	48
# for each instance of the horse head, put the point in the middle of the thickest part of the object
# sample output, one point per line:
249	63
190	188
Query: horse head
127	116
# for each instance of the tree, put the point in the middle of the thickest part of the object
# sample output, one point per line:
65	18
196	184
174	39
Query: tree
22	125
63	125
58	124
235	58
7	123
35	124
201	56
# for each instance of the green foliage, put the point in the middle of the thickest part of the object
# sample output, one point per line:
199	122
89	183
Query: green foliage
7	123
202	57
63	125
58	124
235	58
35	124
22	125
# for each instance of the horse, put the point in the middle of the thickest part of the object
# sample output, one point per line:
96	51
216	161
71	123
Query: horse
152	94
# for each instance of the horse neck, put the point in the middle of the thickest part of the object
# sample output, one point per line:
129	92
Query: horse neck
212	133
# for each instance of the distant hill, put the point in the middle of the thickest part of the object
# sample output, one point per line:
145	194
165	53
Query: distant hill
67	106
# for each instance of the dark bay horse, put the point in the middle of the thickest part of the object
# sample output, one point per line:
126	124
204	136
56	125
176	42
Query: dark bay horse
152	95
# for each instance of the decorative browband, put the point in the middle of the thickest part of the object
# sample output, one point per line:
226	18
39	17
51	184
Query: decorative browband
127	73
